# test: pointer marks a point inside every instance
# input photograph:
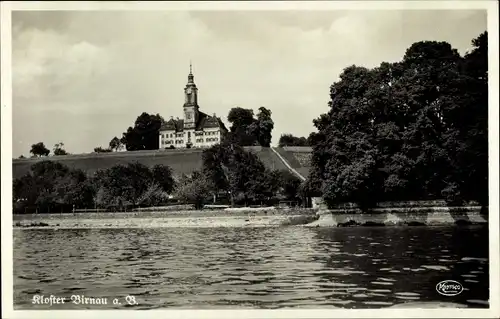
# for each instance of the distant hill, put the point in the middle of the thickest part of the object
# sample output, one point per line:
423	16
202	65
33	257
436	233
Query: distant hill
182	161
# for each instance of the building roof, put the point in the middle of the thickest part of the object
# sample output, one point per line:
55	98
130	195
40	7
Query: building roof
173	125
204	121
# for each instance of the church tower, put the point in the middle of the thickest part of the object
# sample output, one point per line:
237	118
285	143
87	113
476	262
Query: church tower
191	102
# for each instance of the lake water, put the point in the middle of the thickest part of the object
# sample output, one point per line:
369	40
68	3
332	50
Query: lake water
250	267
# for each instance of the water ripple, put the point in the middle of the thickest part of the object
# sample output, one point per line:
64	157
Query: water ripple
213	268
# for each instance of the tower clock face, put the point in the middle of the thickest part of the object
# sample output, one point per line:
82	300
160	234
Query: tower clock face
188	91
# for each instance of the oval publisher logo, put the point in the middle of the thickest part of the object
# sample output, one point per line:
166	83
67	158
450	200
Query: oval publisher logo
449	288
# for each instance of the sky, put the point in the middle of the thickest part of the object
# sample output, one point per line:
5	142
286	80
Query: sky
82	78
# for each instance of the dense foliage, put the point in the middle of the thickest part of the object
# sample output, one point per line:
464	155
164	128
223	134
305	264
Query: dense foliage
232	170
246	130
39	150
194	189
144	134
291	140
229	173
115	144
414	129
59	149
52	187
102	150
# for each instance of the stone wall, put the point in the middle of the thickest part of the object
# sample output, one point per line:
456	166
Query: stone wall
412	216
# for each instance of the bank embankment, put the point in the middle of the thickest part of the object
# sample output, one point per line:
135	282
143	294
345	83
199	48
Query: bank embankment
212	218
262	217
402	216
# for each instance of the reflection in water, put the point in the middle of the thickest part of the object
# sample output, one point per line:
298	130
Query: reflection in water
251	267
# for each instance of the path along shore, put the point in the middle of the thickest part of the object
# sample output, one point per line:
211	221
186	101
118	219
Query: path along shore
261	217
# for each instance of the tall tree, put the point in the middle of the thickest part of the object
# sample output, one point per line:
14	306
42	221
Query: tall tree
229	167
213	161
291	140
115	144
39	150
406	130
265	127
247	130
144	134
468	142
241	125
59	150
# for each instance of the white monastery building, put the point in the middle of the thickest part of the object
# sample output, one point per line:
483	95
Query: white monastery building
197	129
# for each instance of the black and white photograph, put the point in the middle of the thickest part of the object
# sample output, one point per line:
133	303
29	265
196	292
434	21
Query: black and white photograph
250	159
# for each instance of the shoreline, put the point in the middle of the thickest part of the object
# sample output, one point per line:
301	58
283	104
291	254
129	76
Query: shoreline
391	217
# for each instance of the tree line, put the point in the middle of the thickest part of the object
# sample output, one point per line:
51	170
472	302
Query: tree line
230	175
409	130
40	150
50	186
291	140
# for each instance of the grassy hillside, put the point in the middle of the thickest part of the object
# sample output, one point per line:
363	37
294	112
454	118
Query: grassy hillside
298	157
182	161
268	157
